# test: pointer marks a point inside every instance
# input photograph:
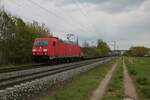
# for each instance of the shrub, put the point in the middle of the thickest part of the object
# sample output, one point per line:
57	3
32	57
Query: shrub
146	91
133	72
142	81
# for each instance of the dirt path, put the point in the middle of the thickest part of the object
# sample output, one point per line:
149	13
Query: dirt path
129	88
99	92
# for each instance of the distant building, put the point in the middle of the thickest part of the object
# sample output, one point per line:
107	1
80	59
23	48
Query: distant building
149	53
123	51
118	52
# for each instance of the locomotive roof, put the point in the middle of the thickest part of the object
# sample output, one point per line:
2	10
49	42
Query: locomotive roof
60	40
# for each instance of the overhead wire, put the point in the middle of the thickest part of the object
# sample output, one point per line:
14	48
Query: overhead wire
52	13
44	10
75	21
27	18
83	12
21	6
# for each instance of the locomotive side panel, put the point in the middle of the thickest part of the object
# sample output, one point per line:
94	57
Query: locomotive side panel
54	49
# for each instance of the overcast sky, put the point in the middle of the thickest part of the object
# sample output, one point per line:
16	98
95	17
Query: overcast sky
125	21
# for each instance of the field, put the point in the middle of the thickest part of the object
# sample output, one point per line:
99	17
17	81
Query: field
139	70
80	88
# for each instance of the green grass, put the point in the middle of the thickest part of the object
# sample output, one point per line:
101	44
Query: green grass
115	87
13	65
139	69
81	87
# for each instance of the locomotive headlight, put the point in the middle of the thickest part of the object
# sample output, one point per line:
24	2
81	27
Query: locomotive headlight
34	50
44	50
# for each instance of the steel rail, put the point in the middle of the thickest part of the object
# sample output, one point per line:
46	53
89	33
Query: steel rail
11	81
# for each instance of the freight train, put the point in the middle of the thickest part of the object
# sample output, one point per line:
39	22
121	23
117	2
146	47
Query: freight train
53	49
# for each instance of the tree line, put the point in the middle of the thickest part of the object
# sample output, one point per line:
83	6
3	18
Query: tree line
101	49
16	38
139	51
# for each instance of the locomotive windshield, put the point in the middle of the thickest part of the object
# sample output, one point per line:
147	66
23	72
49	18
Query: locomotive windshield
40	42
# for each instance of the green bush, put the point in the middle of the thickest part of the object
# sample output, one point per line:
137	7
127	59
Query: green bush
142	81
145	91
133	72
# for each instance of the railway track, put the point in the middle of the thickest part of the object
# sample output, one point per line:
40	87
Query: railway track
33	66
16	77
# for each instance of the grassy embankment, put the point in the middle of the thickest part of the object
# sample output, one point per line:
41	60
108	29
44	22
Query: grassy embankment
14	65
139	70
80	88
115	87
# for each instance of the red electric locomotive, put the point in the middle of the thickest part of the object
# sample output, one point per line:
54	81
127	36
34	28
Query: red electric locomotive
54	49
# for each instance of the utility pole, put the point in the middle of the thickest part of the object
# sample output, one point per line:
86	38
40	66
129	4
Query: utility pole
77	40
117	47
114	45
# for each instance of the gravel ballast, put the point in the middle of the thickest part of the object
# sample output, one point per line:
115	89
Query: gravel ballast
28	90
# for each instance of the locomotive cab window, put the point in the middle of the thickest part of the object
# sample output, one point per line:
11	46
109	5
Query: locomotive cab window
40	42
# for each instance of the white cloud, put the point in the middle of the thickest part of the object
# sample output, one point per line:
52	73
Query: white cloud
126	21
